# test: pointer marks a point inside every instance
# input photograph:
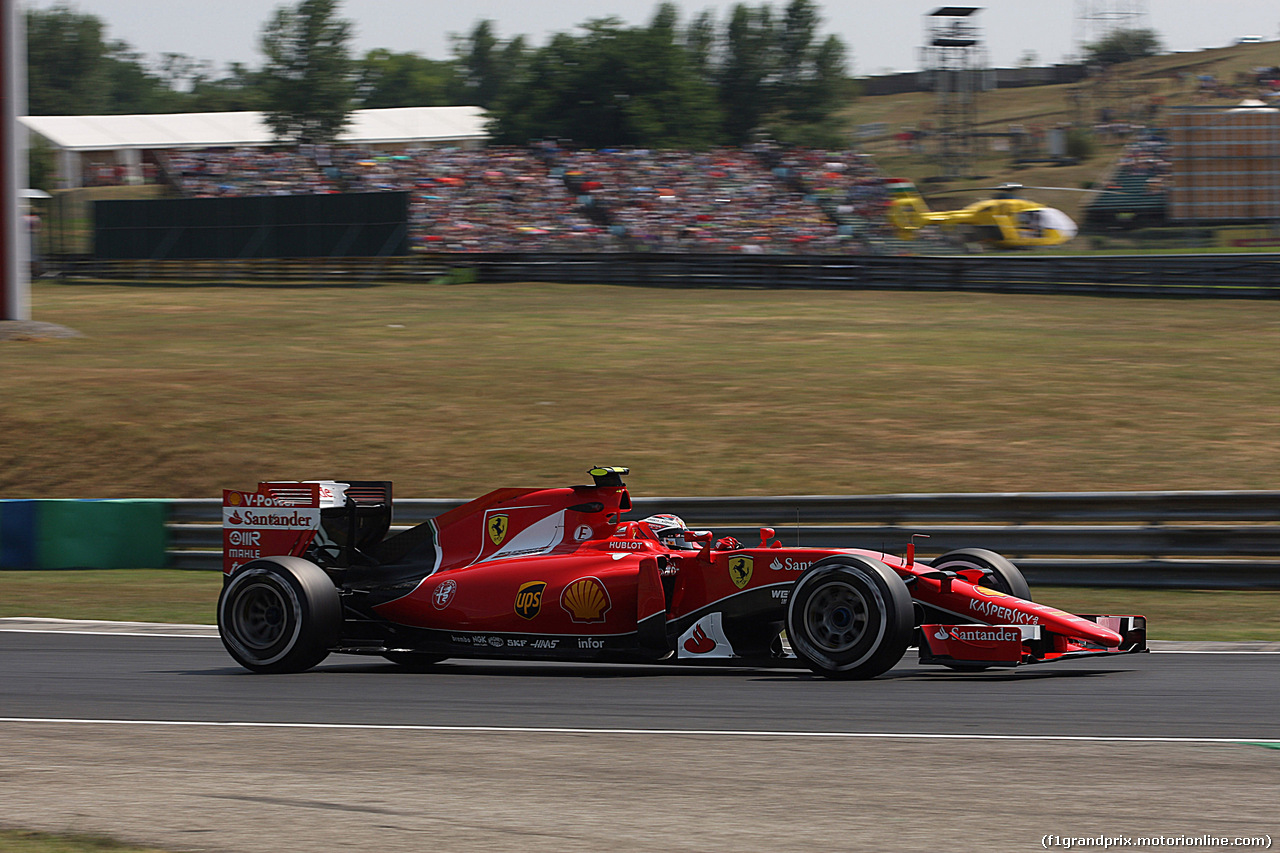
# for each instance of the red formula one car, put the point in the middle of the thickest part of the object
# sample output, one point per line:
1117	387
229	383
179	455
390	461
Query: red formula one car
559	574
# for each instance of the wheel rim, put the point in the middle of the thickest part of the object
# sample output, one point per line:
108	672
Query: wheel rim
836	616
259	616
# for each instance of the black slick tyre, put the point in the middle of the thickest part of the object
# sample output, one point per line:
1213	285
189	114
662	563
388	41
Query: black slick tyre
1004	576
849	617
279	614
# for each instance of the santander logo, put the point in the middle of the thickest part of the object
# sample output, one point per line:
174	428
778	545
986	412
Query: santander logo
699	643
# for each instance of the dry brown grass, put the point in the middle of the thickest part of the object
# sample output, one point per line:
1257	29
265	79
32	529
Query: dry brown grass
448	391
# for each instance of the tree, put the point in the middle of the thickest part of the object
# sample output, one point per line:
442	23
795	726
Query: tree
1124	46
308	80
612	86
67	62
795	43
407	80
489	67
700	45
747	68
239	90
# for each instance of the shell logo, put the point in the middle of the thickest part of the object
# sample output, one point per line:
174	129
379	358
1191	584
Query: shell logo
989	592
586	600
234	498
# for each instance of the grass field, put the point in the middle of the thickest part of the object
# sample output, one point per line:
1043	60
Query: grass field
146	595
21	841
182	391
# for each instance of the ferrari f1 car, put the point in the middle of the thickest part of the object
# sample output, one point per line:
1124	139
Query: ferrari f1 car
562	574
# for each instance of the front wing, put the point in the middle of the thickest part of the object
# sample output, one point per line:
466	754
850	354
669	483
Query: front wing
1011	645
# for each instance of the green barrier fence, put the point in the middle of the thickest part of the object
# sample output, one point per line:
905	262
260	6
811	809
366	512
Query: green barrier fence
83	534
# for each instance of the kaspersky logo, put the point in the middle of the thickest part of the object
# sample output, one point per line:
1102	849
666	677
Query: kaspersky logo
497	527
740	570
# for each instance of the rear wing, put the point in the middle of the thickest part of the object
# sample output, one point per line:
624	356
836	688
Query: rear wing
331	521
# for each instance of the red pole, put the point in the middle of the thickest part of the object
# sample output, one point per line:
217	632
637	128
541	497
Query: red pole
15	302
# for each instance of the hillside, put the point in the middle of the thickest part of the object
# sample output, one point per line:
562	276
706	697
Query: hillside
1127	90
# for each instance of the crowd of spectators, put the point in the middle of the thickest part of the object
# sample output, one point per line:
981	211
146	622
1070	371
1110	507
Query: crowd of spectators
549	198
1143	166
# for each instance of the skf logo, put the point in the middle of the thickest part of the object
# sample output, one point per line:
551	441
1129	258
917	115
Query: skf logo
586	600
740	569
497	526
529	599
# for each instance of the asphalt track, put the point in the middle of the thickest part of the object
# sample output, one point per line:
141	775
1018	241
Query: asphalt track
165	740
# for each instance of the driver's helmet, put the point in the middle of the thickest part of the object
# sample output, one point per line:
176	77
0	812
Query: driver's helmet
670	530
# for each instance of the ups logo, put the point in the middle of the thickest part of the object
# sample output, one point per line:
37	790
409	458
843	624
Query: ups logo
529	599
497	526
740	570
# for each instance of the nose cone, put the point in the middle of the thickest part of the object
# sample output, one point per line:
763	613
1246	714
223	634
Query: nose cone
1057	220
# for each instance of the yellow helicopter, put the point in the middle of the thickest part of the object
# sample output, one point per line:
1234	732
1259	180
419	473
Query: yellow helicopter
1004	221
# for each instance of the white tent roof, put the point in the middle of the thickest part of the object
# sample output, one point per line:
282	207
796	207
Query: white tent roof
218	130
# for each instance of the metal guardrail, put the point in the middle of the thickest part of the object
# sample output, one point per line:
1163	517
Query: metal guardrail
1201	276
1205	540
1225	275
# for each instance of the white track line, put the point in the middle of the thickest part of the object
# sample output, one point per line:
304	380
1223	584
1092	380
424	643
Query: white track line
570	730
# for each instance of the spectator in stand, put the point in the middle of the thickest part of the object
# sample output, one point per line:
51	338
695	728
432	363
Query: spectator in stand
547	198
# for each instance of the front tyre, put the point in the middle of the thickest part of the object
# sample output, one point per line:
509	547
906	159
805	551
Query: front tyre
849	617
279	614
1003	576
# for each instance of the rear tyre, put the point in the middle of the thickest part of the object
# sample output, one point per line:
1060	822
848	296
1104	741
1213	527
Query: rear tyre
280	614
1004	577
849	617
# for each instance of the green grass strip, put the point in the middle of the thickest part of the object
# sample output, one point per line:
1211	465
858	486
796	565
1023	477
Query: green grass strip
24	841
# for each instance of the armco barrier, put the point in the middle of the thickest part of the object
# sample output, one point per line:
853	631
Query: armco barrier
1226	275
83	534
1204	540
